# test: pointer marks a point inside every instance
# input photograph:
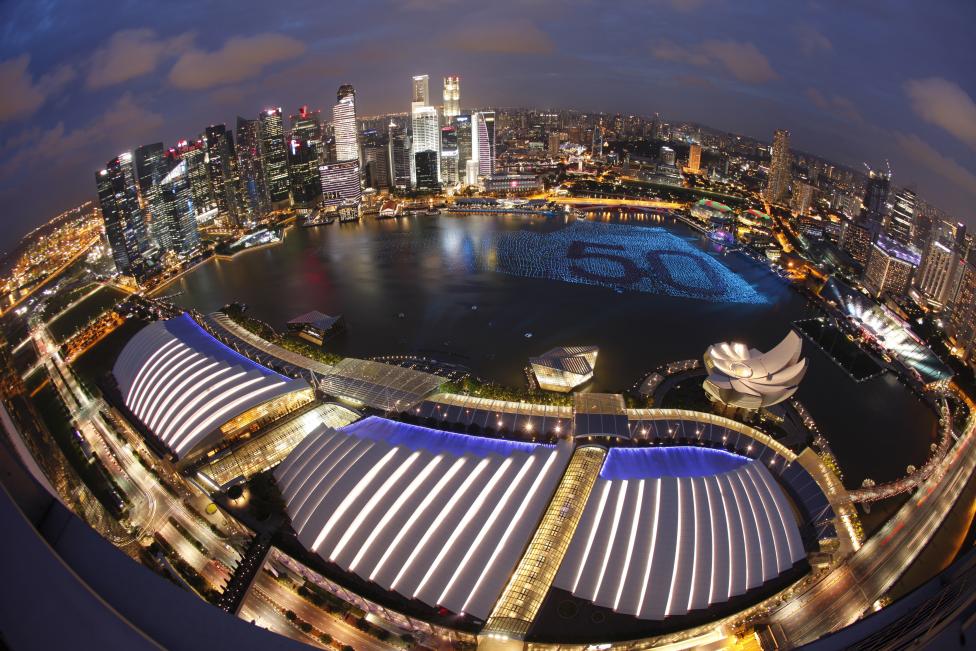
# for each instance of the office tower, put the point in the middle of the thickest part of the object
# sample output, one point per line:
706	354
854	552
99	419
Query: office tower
483	143
694	158
449	156
874	206
250	167
201	191
890	267
462	127
452	98
303	171
427	170
855	239
421	95
307	127
961	325
778	182
426	136
125	222
803	194
179	227
596	148
340	182
938	275
667	156
655	130
344	124
274	157
151	167
222	170
554	144
375	166
398	156
900	221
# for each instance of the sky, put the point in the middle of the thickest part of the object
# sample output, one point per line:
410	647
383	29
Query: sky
854	80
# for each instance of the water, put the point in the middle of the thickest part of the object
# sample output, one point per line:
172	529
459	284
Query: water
410	286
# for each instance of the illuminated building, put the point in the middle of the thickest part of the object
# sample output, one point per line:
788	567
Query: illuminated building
961	325
376	171
512	183
667	156
874	206
421	90
201	191
890	266
398	156
449	156
563	369
745	378
803	194
178	228
222	169
483	143
340	182
274	157
344	124
452	98
251	167
462	127
855	239
596	147
192	393
900	221
938	274
125	222
708	211
778	183
694	158
554	141
307	126
425	140
151	166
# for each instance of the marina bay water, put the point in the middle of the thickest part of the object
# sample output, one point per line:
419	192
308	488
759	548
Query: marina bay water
489	291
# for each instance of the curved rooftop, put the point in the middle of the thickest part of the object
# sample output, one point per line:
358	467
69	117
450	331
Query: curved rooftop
183	384
745	377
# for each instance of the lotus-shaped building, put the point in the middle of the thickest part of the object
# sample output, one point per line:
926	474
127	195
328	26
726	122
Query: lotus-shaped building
749	379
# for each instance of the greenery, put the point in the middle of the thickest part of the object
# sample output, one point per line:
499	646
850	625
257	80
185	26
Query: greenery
286	341
472	387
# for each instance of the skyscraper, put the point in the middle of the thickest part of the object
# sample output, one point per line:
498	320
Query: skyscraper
427	170
900	221
303	170
179	224
694	158
274	157
483	143
449	156
375	168
803	195
426	135
778	182
340	182
596	148
462	127
201	191
398	156
151	167
421	92
251	168
344	124
938	275
222	170
874	207
890	267
452	98
125	222
962	313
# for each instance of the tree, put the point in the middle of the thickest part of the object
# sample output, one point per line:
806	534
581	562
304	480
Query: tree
325	638
290	615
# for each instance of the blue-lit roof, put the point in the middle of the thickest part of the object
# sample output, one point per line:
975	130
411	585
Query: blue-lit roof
646	463
415	437
193	335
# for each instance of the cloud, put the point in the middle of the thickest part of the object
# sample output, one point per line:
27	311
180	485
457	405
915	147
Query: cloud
131	53
125	121
241	57
836	105
511	37
943	103
21	93
811	41
742	60
941	166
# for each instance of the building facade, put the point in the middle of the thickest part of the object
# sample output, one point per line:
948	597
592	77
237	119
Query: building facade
178	230
251	168
274	157
452	98
340	182
125	222
344	124
778	184
890	268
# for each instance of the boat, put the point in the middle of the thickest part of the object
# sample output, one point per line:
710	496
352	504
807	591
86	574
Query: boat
318	218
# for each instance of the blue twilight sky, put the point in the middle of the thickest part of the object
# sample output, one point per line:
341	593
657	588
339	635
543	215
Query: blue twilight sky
853	80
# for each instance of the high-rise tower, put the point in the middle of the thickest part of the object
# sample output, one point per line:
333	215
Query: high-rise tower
344	124
452	98
900	221
222	170
778	182
125	222
251	168
273	154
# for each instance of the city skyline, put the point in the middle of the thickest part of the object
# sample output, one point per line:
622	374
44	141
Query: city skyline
806	75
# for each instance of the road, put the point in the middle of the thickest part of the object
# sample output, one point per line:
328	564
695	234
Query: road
151	504
268	600
850	590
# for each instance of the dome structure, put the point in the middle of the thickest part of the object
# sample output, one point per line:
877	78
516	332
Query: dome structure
744	377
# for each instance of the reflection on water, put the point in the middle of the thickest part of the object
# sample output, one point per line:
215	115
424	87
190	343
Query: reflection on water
435	269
